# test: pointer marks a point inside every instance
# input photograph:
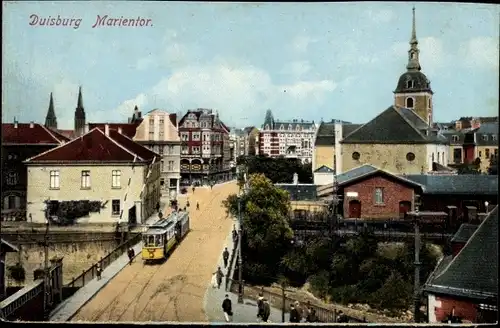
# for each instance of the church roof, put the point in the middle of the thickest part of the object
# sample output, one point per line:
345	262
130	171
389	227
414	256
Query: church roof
394	126
420	83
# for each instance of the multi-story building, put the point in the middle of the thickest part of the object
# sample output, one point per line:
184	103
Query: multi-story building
205	147
293	138
105	168
246	141
481	143
19	142
158	132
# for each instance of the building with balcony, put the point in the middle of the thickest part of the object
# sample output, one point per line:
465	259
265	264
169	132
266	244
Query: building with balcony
293	138
105	174
21	141
205	147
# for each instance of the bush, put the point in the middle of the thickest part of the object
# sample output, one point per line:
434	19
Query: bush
395	294
17	272
320	283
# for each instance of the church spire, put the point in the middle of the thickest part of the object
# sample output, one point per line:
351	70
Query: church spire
51	119
413	53
80	98
80	120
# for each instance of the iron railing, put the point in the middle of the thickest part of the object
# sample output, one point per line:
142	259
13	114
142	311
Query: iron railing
231	262
104	262
323	314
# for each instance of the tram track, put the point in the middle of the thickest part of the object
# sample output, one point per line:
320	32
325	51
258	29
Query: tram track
145	296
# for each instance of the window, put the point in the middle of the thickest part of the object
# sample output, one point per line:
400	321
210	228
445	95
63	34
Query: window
410	102
442	158
12	178
162	165
170	165
410	157
116	179
356	156
115	207
429	103
410	83
485	137
85	179
379	196
438	158
161	120
160	150
455	138
494	137
151	120
162	182
487	153
151	135
432	157
54	180
480	154
161	134
12	202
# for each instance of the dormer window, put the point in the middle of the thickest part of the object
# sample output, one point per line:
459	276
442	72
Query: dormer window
494	137
282	127
289	127
485	137
455	138
410	102
410	84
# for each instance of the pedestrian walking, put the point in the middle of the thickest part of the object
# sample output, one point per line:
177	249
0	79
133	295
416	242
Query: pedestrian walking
260	307
219	276
225	257
98	271
131	255
158	207
187	203
160	215
294	314
235	235
266	311
311	315
227	307
197	205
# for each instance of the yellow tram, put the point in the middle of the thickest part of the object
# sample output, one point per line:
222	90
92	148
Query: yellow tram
161	237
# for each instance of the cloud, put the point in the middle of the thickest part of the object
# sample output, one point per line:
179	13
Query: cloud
301	43
481	52
238	92
380	16
297	68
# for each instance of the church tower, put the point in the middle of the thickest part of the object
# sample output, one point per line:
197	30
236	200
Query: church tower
79	115
51	119
414	89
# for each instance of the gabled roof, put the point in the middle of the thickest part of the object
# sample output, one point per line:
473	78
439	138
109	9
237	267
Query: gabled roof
70	134
29	134
473	273
363	172
393	126
128	129
326	132
323	169
5	246
96	147
467	184
464	233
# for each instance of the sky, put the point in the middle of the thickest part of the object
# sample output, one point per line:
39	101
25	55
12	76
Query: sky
311	61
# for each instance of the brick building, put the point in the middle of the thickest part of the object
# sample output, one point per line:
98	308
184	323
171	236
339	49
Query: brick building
464	285
205	147
103	167
287	138
19	142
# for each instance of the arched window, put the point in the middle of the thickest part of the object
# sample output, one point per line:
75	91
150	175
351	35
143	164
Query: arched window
432	157
410	102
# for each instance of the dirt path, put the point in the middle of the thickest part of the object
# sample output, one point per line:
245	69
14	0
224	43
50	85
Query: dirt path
174	290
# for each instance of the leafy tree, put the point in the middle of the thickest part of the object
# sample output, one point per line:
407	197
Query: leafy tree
267	235
493	168
320	283
394	294
278	170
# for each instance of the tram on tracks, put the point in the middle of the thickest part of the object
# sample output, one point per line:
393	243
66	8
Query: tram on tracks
160	239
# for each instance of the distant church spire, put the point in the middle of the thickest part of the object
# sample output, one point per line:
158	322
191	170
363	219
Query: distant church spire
413	53
80	115
51	119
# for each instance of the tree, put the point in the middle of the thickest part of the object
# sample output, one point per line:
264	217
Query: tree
279	169
395	294
267	235
493	168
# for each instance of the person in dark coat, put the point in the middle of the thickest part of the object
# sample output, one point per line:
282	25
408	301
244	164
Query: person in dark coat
197	205
219	276
131	255
227	307
225	257
311	315
99	271
294	314
194	188
235	235
157	207
260	307
266	311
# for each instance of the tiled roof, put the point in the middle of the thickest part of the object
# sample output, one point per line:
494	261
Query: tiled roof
30	134
326	132
488	131
128	129
393	126
466	184
348	128
300	191
95	146
473	273
323	169
464	233
365	171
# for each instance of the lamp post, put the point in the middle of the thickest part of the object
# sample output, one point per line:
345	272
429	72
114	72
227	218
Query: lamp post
416	292
486	207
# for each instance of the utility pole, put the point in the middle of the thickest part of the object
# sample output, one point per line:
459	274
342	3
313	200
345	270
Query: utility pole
416	292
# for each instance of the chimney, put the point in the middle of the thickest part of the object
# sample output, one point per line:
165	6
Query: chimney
86	128
15	123
32	125
120	130
106	129
295	178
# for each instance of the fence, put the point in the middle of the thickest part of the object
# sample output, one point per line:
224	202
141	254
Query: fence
104	262
276	300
